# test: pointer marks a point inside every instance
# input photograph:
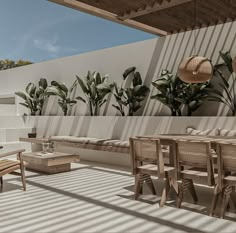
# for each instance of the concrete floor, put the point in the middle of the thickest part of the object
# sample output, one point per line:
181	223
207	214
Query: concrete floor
95	198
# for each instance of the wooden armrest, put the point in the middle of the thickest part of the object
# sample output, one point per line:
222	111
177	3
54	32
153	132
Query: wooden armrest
12	153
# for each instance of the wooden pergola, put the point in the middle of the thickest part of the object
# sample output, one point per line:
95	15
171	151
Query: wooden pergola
159	17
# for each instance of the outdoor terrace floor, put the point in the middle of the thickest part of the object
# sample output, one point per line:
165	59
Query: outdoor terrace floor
97	198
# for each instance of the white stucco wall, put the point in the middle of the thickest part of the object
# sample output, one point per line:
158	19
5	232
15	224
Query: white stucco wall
150	57
112	61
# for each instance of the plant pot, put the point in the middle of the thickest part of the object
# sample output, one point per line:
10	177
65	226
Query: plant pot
32	135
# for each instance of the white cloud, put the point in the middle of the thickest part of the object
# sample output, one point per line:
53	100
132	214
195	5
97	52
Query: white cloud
47	45
44	26
52	48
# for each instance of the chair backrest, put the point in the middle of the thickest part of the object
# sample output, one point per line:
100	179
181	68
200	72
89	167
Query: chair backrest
146	150
226	161
195	153
227	156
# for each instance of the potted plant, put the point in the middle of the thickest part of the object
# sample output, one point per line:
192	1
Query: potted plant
176	94
168	87
224	72
34	97
66	100
95	89
129	100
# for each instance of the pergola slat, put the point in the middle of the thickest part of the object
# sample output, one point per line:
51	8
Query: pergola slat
108	15
152	8
159	17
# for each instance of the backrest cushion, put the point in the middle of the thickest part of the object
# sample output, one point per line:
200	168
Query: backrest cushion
229	133
207	132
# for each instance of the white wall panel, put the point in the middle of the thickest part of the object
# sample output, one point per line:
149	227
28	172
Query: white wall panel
150	57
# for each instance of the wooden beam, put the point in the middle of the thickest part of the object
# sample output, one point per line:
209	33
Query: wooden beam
109	16
153	8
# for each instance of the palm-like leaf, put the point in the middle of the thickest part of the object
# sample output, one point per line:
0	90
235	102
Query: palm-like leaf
228	97
61	86
64	93
174	93
132	97
137	80
167	86
227	60
95	88
128	72
43	84
34	97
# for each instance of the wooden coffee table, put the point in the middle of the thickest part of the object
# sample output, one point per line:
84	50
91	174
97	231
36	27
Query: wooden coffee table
50	163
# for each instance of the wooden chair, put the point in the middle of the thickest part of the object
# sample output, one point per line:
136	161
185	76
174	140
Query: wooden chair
226	164
9	166
147	161
194	165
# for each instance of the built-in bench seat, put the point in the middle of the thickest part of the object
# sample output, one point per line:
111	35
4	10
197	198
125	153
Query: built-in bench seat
111	145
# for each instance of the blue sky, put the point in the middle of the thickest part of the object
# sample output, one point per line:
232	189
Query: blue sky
39	30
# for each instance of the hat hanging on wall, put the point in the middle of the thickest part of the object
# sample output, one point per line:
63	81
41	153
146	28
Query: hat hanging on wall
195	69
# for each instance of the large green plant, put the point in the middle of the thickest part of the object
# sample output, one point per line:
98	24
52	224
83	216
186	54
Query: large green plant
193	95
34	96
129	100
175	94
95	88
169	87
65	95
224	71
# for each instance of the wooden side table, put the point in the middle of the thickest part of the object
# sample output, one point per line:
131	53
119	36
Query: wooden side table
50	163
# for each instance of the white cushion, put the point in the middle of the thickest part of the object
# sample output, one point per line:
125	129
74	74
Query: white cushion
229	133
208	132
95	141
117	143
84	140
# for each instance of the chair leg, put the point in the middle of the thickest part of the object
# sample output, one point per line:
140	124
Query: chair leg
193	192
150	184
233	198
137	186
165	192
22	169
180	196
225	201
214	200
1	181
187	184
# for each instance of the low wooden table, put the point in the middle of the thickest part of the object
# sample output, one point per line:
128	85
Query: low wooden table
50	163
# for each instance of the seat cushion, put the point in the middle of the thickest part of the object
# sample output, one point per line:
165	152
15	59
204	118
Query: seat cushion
116	143
83	140
95	141
5	164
